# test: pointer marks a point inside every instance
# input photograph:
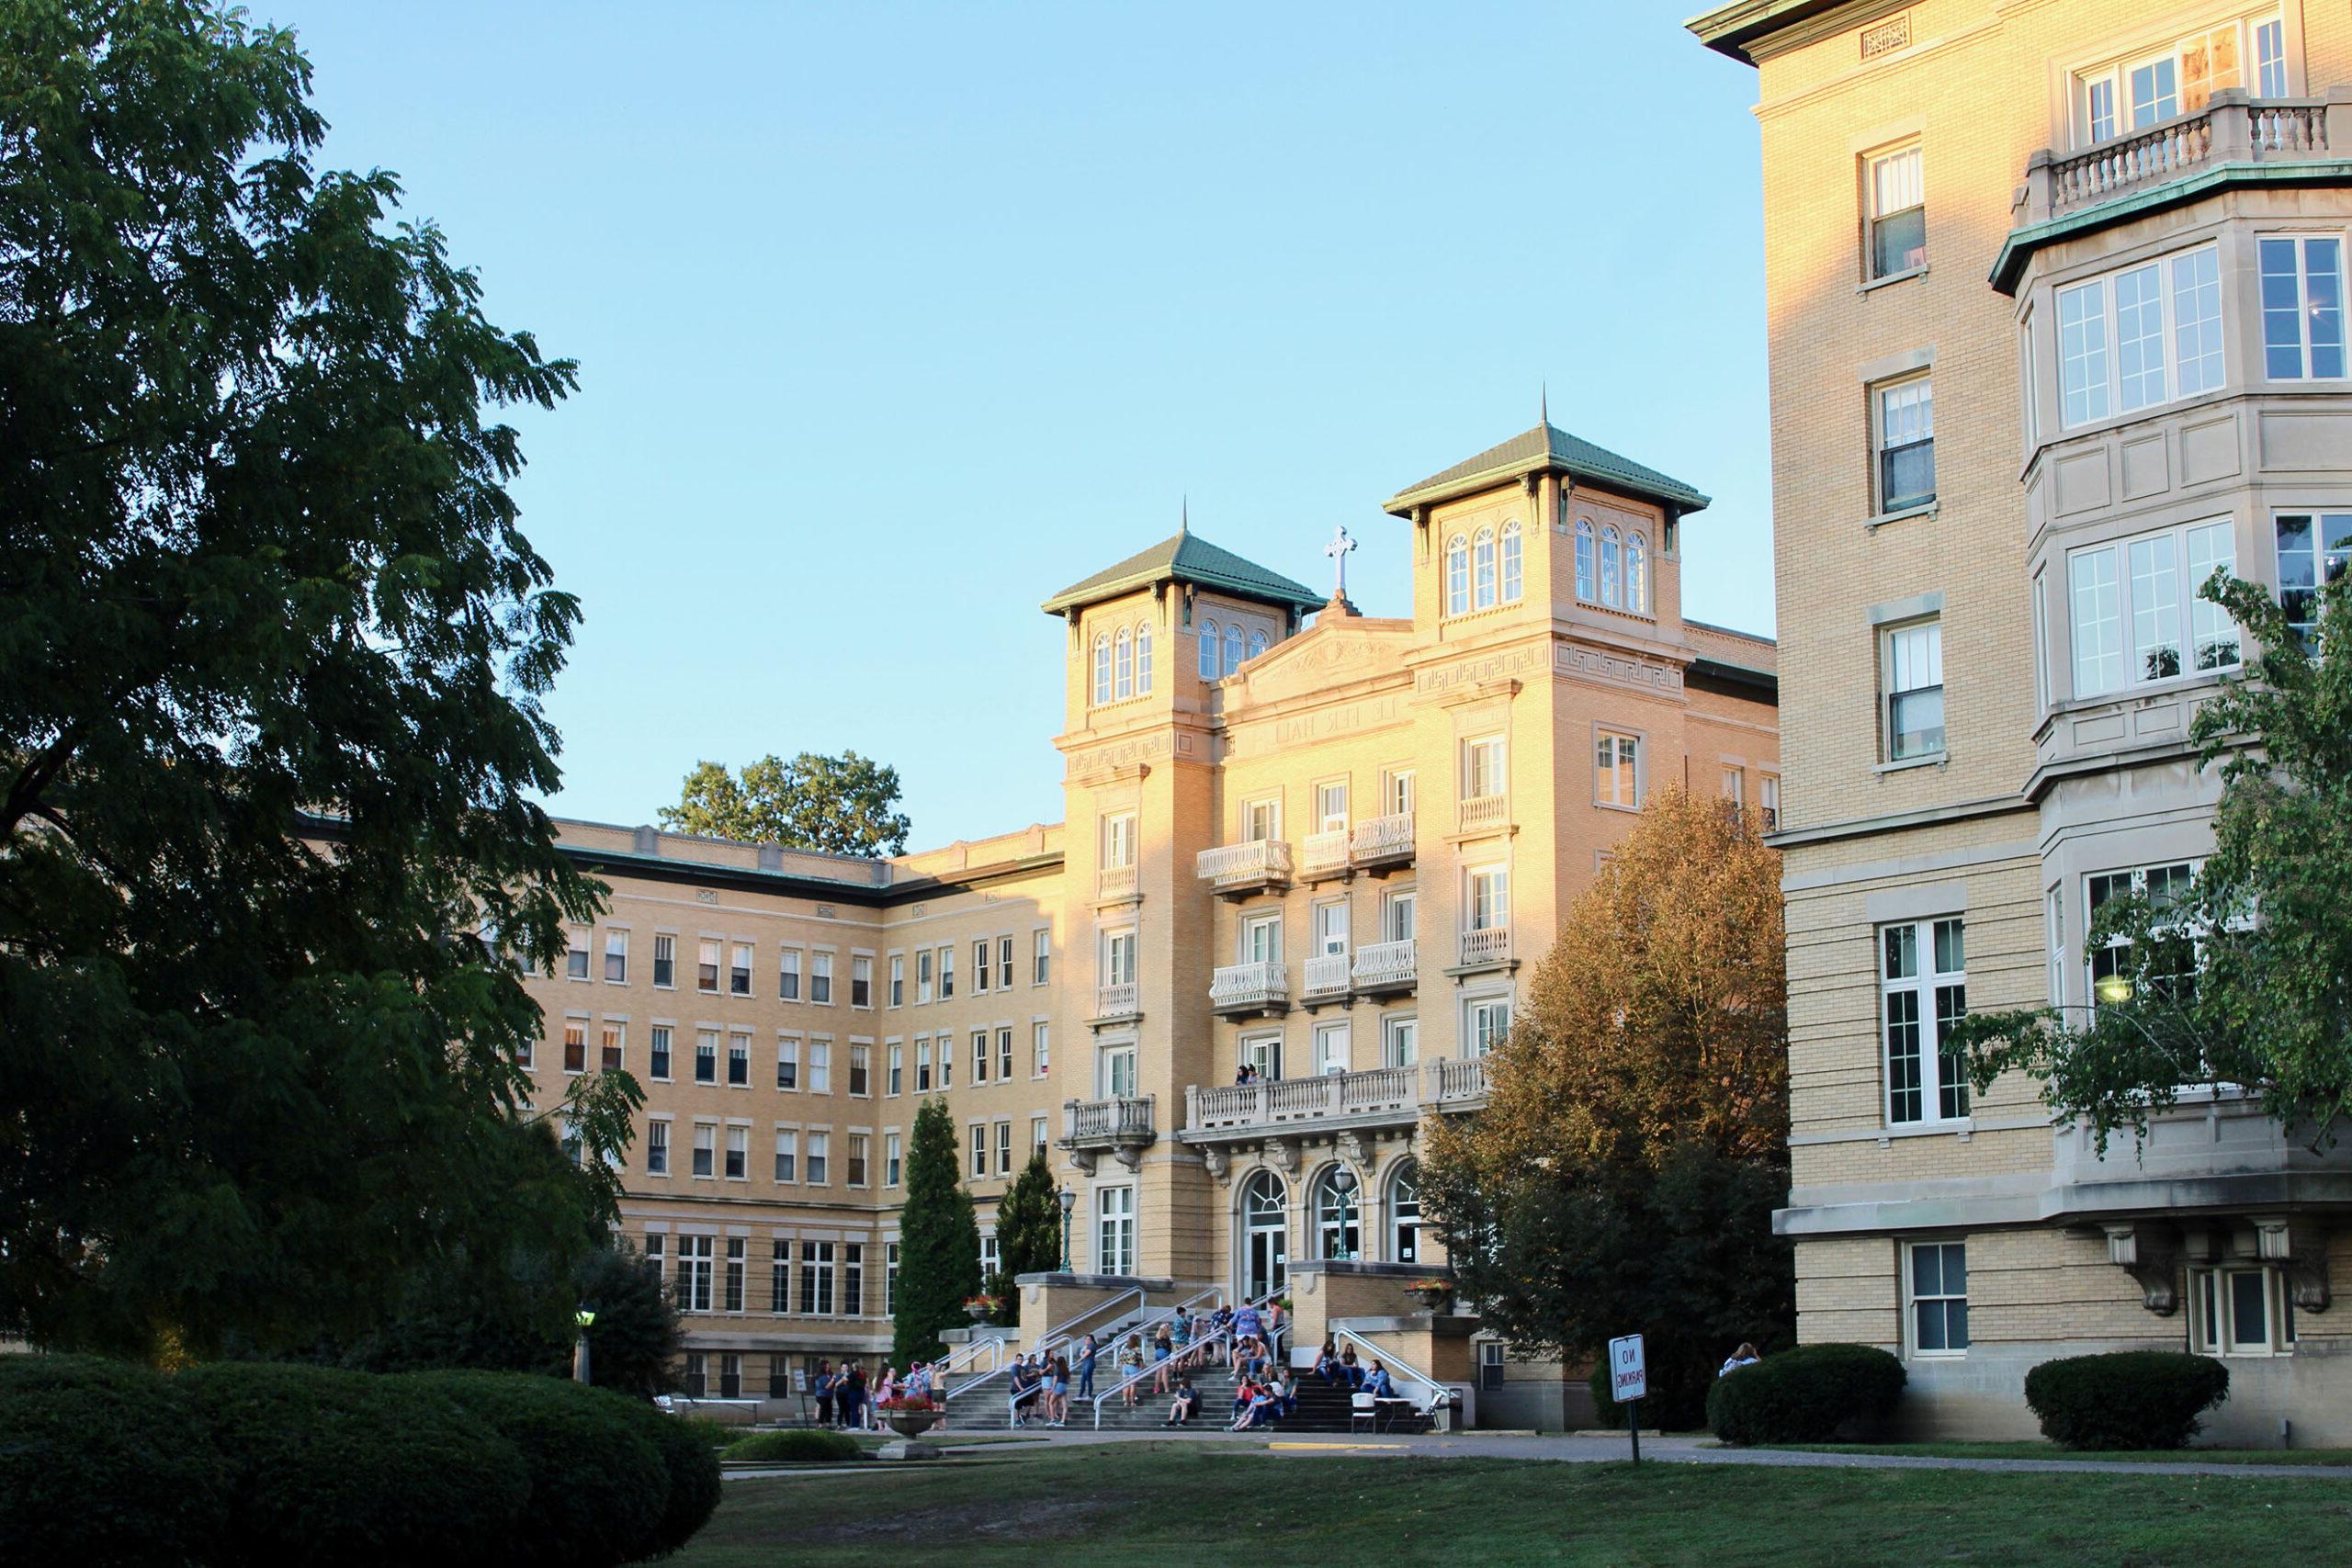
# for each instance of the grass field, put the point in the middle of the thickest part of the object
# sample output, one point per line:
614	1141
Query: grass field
2052	1451
1135	1503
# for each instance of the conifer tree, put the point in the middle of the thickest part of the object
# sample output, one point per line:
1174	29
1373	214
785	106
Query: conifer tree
1028	1229
939	1242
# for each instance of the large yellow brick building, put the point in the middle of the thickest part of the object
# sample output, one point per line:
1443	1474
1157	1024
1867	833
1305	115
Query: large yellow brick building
1320	843
2055	297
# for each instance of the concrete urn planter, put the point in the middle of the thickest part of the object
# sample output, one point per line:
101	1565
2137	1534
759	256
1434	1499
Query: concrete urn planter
912	1423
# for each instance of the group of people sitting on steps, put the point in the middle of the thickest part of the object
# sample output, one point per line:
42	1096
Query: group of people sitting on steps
1338	1367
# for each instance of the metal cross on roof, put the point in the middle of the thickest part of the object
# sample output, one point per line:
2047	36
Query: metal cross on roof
1338	550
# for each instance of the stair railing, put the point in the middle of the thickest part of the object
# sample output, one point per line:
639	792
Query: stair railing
1223	1337
1398	1370
1211	1296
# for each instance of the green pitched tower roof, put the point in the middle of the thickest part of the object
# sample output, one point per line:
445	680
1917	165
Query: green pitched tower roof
1548	448
1185	557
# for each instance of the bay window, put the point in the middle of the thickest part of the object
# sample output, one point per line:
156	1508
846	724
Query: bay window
2145	335
2302	307
2131	601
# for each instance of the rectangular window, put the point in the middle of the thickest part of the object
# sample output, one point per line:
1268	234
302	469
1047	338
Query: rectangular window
1118	1072
2126	601
857	1150
1735	789
976	1144
897	979
1004	1148
2240	1312
898	1069
922	1066
1767	796
1332	1053
738	1147
1037	1137
2176	962
889	1277
787	1062
1923	986
2145	335
707	967
946	973
788	1155
1040	1049
853	1278
1003	1053
980	1055
1400	1042
980	967
694	1272
1332	807
614	1045
860	1070
787	973
1489	902
817	1279
739	973
890	1159
820	1146
1264	1053
706	1148
1004	964
739	1061
1260	819
707	1056
657	1149
779	1301
1898	213
1041	960
1617	769
1397	791
1483	775
665	963
733	1301
1119	841
1262	940
1116	1230
820	1067
1938	1286
1911	664
861	982
820	979
1119	958
575	1046
1905	414
575	955
2314	547
2270	58
923	976
2302	307
946	1062
1487	1025
617	957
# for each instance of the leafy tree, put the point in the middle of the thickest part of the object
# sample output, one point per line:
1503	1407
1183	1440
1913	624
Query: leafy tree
259	568
840	805
1623	1175
939	1242
633	1345
2201	991
1028	1231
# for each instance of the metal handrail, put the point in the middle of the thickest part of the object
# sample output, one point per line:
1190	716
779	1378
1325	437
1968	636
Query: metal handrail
1215	1294
1439	1393
1060	1335
960	1360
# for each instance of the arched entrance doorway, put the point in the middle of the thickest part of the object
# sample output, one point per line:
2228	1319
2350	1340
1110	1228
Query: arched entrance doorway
1265	1236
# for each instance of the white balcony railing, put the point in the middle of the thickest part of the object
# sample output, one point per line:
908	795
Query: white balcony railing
1483	811
2228	130
1327	974
1488	944
1115	882
1383	838
1115	1001
1259	860
1107	1121
1327	851
1402	1092
1386	963
1249	984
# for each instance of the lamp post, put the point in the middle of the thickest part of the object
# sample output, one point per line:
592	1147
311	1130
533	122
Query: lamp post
582	1318
1068	1200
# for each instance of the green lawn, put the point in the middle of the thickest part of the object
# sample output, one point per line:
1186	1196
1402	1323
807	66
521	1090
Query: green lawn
1149	1504
2052	1451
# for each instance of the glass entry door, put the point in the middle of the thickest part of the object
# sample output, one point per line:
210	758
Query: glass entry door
1265	1266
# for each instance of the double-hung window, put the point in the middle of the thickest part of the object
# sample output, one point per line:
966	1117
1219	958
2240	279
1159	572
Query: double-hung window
898	1068
707	1056
1041	956
923	976
980	967
1004	1148
980	1055
1040	1049
787	1154
861	982
820	979
575	955
946	973
820	1067
706	1144
739	1142
1923	992
1115	1221
1003	1055
2302	307
819	1147
1904	414
787	1063
861	1069
617	957
2145	335
1617	769
657	1047
2131	601
739	1061
897	979
922	1066
890	1159
739	975
1483	773
1911	669
1898	213
1936	1284
665	962
977	1140
657	1149
707	967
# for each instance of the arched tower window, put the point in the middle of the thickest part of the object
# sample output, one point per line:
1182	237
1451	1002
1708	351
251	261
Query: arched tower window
1404	1213
1585	570
1613	566
1482	566
1336	1204
1637	573
1123	662
1514	563
1209	671
1457	575
1143	659
1232	647
1102	669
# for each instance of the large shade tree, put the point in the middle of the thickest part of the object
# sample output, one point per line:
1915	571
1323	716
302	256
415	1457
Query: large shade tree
1623	1174
844	805
259	570
2242	974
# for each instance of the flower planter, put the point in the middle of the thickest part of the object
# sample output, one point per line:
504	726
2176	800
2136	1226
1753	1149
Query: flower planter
912	1423
978	1310
1433	1301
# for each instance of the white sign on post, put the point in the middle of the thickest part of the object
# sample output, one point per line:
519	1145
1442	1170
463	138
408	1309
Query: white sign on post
1628	1377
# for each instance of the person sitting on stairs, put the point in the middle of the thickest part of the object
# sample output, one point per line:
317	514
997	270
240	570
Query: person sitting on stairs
1187	1405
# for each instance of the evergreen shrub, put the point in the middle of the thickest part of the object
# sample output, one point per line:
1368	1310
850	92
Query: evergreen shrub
1806	1395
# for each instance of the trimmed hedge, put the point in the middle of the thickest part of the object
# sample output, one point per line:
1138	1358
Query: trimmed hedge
239	1464
1805	1396
796	1446
96	1467
2125	1399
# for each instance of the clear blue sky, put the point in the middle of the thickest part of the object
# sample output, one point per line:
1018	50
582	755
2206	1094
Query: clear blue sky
893	320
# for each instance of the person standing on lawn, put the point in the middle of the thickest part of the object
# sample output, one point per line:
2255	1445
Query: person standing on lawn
821	1386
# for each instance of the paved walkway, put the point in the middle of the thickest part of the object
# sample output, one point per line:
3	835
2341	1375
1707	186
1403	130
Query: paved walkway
1603	1450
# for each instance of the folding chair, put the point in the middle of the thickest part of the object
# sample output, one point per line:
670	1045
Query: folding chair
1363	1412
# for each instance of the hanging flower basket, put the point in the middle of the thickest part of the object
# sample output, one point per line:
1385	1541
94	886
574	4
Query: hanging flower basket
1433	1294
